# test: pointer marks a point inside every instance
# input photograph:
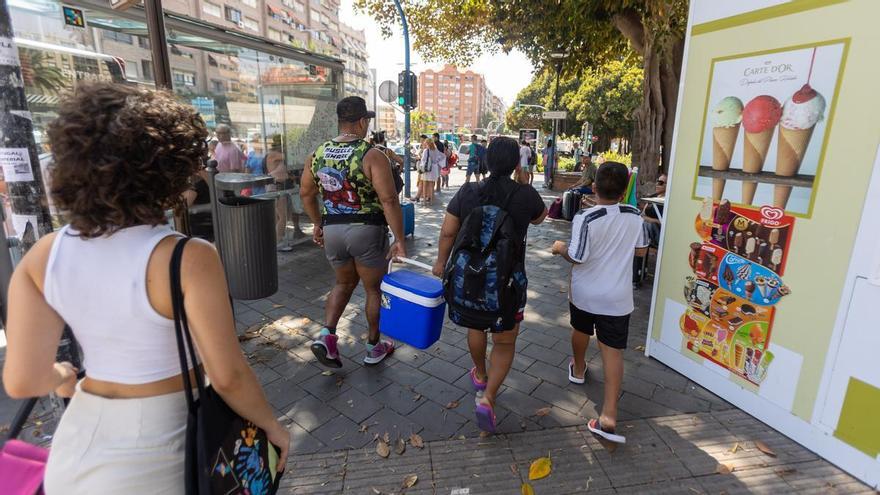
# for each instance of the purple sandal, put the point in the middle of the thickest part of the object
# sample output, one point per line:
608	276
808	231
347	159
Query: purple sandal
478	385
485	417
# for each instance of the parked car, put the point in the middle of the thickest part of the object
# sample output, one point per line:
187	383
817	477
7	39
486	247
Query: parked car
463	154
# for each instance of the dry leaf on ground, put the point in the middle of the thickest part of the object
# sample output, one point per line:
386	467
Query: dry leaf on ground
526	489
376	491
276	306
387	438
327	373
410	481
723	468
382	449
786	471
540	468
417	397
542	412
452	405
514	468
485	434
400	447
764	448
736	447
416	441
640	348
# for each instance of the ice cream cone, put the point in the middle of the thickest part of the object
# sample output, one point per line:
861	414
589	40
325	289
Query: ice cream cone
723	141
755	148
791	147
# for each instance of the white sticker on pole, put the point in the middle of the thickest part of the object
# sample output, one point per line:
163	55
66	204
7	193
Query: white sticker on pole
16	164
8	52
26	227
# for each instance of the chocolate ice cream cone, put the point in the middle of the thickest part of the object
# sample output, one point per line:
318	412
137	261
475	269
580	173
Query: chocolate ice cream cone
723	141
755	148
789	154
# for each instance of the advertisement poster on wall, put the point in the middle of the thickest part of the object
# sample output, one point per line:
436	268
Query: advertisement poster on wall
759	295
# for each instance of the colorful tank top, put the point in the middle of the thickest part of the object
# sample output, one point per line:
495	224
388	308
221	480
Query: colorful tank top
338	168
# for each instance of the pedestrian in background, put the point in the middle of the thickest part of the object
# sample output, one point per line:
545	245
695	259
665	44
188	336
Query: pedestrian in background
525	160
451	160
106	274
229	156
276	166
354	186
603	240
429	167
256	162
549	160
576	153
473	165
524	206
481	156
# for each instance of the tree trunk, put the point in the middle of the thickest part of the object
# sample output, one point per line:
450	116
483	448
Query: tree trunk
650	117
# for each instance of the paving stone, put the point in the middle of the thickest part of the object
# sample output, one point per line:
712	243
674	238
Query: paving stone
520	362
544	354
643	408
309	413
404	374
440	423
575	467
386	420
481	465
341	433
677	400
354	405
444	370
366	472
398	398
283	392
520	403
521	381
439	390
447	352
301	441
556	375
569	400
314	474
324	387
367	379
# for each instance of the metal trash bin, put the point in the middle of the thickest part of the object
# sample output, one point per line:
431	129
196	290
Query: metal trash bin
247	241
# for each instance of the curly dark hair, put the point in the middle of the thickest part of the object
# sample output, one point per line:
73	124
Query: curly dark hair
122	156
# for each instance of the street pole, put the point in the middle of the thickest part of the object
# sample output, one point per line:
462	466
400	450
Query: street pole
406	108
158	43
555	155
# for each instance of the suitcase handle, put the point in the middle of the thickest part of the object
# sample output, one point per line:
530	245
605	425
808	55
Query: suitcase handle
412	262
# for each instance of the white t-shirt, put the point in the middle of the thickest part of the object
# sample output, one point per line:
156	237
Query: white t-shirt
524	154
603	241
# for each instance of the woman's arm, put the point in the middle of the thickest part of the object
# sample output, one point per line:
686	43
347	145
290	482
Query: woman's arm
206	300
448	233
33	331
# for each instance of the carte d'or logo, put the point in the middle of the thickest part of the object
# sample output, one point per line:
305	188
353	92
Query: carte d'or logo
771	213
768	67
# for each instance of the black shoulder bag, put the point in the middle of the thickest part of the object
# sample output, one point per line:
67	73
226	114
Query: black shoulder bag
225	453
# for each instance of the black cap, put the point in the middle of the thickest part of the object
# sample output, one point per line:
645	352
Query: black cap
352	109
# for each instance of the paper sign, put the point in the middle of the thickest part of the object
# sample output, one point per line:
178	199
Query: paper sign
26	228
8	52
16	163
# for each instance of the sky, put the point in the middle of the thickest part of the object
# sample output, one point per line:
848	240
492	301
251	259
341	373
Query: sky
506	74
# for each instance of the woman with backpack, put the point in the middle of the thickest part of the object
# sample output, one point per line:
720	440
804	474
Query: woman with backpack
483	274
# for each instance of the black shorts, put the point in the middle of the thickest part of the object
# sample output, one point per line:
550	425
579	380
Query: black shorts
612	331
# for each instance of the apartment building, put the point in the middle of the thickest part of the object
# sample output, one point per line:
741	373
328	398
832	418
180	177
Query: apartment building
386	119
457	97
358	81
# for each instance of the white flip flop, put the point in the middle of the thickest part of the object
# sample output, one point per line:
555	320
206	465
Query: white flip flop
596	429
572	378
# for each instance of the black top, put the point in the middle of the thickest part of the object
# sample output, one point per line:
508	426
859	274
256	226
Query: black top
440	146
649	208
525	205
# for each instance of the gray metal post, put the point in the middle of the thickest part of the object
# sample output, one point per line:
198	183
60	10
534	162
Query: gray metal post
555	156
212	195
158	43
406	108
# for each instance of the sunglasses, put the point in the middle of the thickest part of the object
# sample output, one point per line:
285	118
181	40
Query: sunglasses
661	182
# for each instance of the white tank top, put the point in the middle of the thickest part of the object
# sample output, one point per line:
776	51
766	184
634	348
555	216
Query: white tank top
98	286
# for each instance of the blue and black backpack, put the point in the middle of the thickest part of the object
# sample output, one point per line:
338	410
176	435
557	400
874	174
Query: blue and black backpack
484	283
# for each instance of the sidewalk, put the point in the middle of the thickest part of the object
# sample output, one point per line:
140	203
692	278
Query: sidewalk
678	432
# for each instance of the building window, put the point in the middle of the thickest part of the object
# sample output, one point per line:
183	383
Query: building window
118	37
211	9
250	3
274	34
182	78
251	24
131	70
233	15
144	42
218	86
147	69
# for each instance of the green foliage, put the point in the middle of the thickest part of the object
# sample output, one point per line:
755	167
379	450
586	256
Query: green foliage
422	123
566	163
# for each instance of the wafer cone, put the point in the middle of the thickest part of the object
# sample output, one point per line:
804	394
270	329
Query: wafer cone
723	141
755	147
789	154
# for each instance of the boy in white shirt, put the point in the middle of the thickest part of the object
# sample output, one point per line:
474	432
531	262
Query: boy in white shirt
603	241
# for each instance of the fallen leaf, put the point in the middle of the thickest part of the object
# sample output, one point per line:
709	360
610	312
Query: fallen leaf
514	468
526	489
452	405
410	481
386	437
382	449
786	471
276	306
736	447
327	373
542	412
540	468
640	348
764	448
400	448
563	291
376	491
416	441
339	380
363	428
417	397
723	468
485	434
462	437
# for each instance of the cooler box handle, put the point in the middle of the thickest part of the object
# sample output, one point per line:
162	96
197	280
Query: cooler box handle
412	262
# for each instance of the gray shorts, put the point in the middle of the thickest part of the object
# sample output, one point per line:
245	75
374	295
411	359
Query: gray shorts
365	244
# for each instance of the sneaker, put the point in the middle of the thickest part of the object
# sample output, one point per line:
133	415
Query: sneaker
324	349
379	352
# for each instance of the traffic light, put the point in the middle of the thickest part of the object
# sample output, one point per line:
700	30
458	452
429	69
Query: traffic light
407	90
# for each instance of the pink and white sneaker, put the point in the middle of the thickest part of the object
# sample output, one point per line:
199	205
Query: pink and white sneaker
379	352
324	349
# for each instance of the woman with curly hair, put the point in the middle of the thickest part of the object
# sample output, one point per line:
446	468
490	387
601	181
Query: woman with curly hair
122	156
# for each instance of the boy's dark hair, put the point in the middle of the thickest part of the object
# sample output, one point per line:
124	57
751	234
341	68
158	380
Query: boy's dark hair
612	178
437	135
502	156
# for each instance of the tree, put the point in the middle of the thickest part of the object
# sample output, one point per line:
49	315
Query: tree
422	122
607	97
589	31
486	117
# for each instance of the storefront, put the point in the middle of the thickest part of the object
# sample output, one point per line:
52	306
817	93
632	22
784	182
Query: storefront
769	276
272	96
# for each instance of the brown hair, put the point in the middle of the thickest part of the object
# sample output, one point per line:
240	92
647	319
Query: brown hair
122	156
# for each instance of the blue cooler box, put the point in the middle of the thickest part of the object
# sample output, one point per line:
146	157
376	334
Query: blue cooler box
409	219
412	306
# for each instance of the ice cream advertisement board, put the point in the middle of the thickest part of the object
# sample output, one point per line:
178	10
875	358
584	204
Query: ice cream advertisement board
763	284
